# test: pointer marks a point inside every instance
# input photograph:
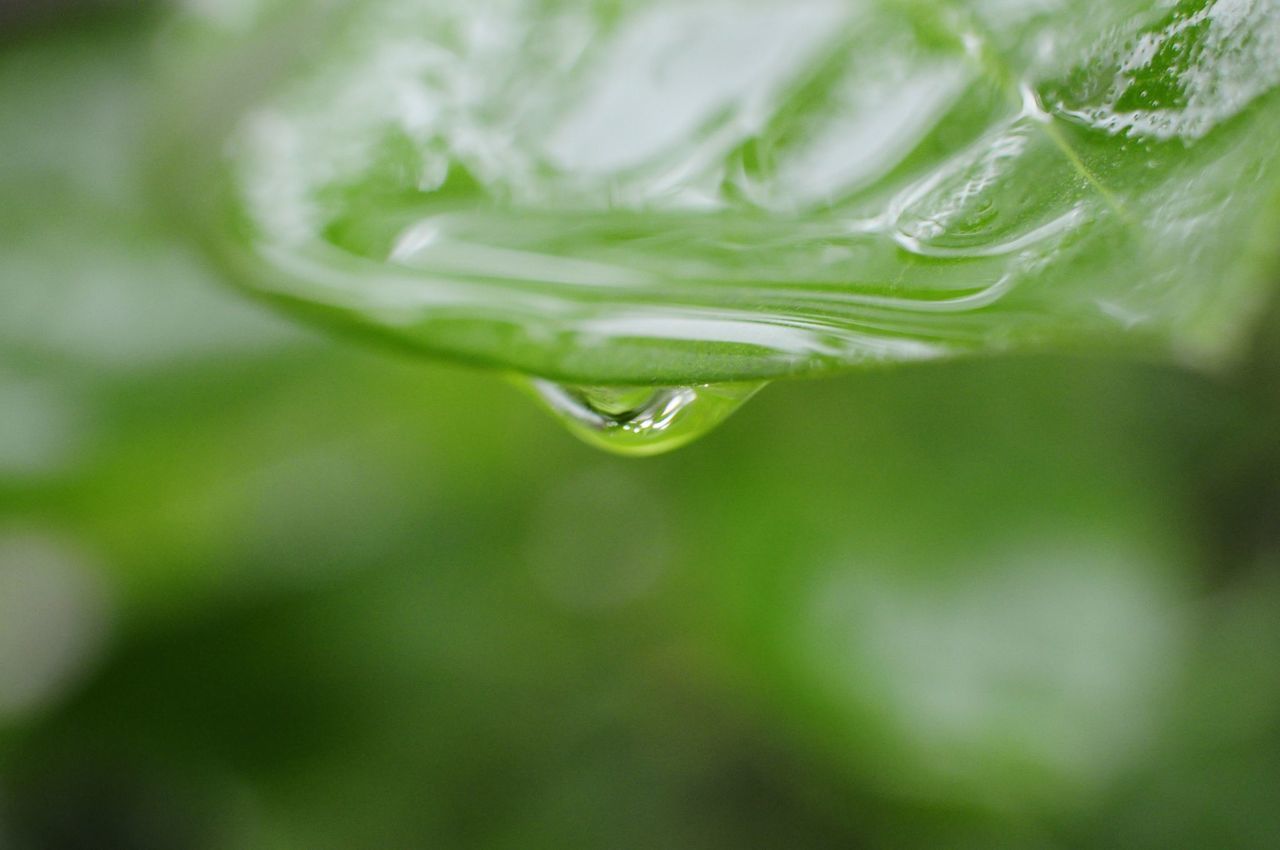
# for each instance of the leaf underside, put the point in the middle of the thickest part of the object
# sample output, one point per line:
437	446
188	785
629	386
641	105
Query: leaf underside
677	192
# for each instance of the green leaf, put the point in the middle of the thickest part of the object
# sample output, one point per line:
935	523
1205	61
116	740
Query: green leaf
604	192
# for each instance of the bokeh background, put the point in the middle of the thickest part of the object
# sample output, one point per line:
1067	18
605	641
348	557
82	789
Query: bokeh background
262	588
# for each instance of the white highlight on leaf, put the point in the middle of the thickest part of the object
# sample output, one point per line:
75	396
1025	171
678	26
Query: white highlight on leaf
1222	57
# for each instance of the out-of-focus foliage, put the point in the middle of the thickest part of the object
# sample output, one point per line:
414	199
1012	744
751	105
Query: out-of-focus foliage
259	589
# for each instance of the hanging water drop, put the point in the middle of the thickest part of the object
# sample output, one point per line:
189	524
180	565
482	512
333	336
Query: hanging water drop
641	421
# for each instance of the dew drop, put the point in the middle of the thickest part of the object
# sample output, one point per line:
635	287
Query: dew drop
642	421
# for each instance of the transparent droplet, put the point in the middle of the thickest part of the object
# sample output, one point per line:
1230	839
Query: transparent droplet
640	421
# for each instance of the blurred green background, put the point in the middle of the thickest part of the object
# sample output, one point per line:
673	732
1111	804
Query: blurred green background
260	588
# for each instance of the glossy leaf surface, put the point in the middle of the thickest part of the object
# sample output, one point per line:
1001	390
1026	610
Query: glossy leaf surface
683	192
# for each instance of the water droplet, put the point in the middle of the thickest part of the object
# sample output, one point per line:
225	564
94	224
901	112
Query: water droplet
642	421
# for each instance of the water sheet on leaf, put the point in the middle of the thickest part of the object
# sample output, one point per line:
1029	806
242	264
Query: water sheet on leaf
688	191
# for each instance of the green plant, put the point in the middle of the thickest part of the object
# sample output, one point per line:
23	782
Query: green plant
662	197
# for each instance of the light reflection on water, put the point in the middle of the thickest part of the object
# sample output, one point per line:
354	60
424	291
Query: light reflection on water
741	190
